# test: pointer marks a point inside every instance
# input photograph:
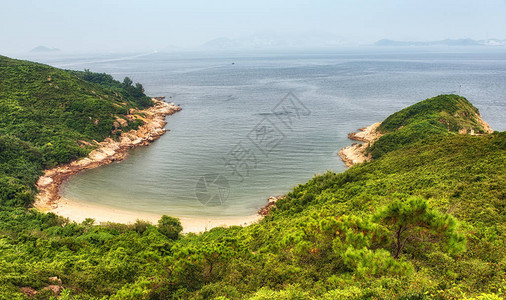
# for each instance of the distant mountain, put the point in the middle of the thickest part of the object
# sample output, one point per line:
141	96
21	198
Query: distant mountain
44	49
495	42
275	41
447	42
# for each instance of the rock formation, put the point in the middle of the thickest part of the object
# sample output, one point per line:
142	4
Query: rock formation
107	151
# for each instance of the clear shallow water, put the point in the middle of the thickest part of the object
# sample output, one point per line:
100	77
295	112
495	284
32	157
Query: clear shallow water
223	103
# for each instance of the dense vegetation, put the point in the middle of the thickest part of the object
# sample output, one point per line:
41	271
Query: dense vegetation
438	116
423	221
50	116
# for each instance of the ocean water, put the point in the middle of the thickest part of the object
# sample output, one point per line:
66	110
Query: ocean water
256	125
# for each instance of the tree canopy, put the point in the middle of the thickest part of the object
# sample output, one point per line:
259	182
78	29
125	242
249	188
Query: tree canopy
412	221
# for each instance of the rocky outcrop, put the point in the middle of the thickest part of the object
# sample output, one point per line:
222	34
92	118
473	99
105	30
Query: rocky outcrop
56	288
356	153
108	151
271	203
485	128
28	291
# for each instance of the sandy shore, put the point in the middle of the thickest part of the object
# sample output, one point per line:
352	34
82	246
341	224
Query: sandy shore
355	154
78	212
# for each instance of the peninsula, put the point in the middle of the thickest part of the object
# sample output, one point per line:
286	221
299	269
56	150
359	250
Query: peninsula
439	116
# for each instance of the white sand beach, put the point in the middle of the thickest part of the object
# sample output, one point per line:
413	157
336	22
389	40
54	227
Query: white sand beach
78	212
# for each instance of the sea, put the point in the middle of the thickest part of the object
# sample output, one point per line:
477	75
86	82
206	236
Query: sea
257	124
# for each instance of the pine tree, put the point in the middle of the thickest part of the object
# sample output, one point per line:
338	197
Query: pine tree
413	220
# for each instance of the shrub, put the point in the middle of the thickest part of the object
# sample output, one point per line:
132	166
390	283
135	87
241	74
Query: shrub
170	227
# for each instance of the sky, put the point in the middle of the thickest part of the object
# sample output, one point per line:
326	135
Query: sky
132	26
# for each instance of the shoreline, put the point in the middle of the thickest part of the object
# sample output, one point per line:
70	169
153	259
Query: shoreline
355	154
79	211
49	199
108	151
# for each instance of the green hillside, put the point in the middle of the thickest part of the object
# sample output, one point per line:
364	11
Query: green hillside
438	116
424	220
50	116
329	239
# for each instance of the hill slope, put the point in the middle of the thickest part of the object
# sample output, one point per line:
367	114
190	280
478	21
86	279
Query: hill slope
50	116
322	242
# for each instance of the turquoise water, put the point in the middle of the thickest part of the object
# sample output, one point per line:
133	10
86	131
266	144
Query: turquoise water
227	100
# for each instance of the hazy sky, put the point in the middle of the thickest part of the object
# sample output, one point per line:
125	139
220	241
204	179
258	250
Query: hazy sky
109	25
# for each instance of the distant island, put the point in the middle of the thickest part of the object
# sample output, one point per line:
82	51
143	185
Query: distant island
446	42
40	49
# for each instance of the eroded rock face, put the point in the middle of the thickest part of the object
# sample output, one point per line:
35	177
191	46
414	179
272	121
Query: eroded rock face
44	181
121	122
108	151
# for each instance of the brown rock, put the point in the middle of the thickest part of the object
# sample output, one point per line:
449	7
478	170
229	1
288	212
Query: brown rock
28	291
57	289
55	280
121	121
356	153
270	205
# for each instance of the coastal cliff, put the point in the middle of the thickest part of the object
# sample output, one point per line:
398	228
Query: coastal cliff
108	151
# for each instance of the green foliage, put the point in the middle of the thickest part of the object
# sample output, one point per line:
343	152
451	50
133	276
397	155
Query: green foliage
50	116
335	246
170	227
432	118
126	90
366	262
412	221
127	82
450	108
292	292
